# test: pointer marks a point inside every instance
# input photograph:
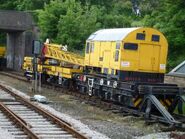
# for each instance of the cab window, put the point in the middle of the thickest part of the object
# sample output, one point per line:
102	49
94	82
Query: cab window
92	48
155	38
130	46
117	45
140	36
117	55
87	48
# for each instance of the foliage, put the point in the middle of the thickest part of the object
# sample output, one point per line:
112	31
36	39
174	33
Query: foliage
76	25
7	4
169	18
30	4
72	21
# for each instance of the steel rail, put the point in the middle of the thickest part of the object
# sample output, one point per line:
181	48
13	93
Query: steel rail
64	125
16	119
14	76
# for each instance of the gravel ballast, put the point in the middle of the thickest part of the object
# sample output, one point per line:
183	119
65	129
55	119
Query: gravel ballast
75	123
95	119
4	134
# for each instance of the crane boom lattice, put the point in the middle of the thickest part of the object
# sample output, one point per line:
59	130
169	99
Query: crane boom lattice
55	52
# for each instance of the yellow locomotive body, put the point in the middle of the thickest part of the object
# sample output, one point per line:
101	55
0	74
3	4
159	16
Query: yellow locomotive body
2	51
127	51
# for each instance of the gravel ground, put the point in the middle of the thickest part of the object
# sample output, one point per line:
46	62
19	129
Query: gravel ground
4	134
75	123
112	125
155	136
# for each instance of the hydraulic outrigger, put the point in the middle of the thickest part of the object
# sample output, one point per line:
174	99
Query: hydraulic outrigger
152	95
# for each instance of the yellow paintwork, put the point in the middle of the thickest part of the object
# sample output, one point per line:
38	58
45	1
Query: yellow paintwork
2	51
60	71
27	65
149	57
65	58
55	51
137	102
50	70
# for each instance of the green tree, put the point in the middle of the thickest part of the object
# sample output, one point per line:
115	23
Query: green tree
169	18
48	19
30	4
76	25
68	22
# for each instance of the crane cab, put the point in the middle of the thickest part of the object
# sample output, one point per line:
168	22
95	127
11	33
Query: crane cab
131	54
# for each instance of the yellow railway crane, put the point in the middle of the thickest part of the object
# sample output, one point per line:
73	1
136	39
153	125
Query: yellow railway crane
55	61
60	63
54	51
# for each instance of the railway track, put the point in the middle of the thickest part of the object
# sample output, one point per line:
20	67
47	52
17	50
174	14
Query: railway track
24	119
15	75
116	108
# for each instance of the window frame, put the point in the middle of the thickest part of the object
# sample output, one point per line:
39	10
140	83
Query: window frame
127	47
118	45
154	38
87	47
91	47
140	36
116	59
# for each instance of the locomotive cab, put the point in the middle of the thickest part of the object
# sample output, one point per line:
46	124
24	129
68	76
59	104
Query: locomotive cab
130	54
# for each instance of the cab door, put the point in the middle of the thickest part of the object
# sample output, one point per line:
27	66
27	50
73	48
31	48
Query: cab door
156	57
149	57
87	53
106	58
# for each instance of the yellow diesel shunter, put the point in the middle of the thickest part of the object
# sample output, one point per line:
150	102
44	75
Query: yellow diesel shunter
134	54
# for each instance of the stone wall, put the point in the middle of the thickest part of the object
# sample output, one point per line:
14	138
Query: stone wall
15	20
19	27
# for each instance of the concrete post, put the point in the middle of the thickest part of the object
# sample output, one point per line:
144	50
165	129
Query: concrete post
15	50
10	50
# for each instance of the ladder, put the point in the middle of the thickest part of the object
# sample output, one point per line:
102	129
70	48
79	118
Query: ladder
55	51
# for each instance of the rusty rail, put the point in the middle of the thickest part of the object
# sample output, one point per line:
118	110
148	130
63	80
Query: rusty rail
16	76
45	113
21	124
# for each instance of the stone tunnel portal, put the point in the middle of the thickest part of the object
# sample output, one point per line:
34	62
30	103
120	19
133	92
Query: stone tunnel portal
15	24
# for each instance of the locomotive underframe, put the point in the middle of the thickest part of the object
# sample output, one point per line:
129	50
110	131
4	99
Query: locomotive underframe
159	99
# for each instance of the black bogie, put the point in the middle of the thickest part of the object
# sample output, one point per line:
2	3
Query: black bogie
142	96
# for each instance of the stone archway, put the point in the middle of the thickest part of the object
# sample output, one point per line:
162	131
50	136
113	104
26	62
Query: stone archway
15	23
